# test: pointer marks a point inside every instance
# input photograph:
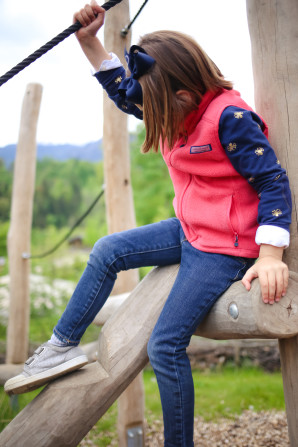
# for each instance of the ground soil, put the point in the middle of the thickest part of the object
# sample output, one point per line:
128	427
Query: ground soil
250	429
265	429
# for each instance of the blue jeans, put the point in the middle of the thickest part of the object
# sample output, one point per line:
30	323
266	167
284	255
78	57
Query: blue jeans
201	279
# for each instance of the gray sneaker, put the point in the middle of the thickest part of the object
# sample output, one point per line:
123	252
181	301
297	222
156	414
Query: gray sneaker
47	363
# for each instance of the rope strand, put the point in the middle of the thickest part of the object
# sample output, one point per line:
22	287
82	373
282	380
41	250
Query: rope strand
77	223
125	30
49	45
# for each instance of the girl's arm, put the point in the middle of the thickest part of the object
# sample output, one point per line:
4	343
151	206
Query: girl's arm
92	19
108	74
254	159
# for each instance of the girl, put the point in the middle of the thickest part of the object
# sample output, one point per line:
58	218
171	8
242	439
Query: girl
232	202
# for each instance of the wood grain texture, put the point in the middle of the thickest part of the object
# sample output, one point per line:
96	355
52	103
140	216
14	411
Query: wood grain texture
19	235
256	319
109	308
274	42
119	203
64	412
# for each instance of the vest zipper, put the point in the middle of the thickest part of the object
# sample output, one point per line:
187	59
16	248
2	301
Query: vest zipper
183	195
236	242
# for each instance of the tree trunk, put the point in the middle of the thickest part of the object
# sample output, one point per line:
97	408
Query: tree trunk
274	39
120	209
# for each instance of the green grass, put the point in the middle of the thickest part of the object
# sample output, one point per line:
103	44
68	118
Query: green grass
226	393
41	330
234	390
217	395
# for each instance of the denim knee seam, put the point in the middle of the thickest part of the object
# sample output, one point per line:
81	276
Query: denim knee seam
142	252
91	303
68	339
180	398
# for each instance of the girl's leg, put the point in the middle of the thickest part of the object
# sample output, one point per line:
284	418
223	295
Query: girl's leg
155	244
202	278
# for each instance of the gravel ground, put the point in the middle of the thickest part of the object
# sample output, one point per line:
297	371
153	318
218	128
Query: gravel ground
250	429
265	429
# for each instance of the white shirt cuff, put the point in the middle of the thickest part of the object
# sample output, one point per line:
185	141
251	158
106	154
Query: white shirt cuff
108	64
272	235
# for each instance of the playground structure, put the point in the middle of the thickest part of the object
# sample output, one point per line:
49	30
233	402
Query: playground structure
51	421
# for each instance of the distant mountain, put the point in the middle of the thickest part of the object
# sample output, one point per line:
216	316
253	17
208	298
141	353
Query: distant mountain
89	152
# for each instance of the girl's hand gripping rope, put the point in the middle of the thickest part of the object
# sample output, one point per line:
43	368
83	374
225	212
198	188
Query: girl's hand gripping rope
91	18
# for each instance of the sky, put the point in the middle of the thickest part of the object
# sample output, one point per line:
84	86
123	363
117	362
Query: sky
71	107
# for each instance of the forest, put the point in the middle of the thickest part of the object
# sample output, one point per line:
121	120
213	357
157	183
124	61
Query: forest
64	190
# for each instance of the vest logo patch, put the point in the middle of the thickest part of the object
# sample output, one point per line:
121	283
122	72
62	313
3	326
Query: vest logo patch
200	149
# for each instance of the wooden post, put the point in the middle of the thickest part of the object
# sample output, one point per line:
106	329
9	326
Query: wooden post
118	192
19	234
274	39
120	212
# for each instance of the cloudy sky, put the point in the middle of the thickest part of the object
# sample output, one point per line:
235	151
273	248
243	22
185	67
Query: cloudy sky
71	108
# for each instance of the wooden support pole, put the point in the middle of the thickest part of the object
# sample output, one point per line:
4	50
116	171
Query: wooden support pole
19	234
49	421
120	210
274	39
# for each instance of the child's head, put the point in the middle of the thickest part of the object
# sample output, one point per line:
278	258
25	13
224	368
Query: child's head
175	84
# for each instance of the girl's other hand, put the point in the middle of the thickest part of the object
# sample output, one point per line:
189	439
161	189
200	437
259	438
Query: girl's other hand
91	18
273	274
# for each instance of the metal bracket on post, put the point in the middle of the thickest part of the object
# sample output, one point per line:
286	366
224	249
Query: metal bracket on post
135	436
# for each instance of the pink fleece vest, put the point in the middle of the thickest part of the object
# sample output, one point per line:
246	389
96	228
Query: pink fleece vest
216	206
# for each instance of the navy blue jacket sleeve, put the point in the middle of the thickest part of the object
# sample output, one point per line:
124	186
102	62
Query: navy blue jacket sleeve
110	81
241	135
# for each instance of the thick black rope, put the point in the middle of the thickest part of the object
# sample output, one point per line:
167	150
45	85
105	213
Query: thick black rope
43	255
48	46
125	30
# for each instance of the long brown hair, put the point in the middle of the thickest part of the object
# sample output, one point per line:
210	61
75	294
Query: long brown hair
181	64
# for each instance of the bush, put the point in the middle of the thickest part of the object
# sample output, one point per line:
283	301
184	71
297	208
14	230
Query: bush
4	227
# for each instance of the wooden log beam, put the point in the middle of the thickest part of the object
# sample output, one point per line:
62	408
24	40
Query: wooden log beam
238	314
242	314
49	421
110	307
8	370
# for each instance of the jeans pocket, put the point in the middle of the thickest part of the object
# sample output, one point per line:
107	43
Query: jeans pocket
245	264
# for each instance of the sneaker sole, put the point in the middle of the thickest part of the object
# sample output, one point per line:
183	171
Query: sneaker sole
21	384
